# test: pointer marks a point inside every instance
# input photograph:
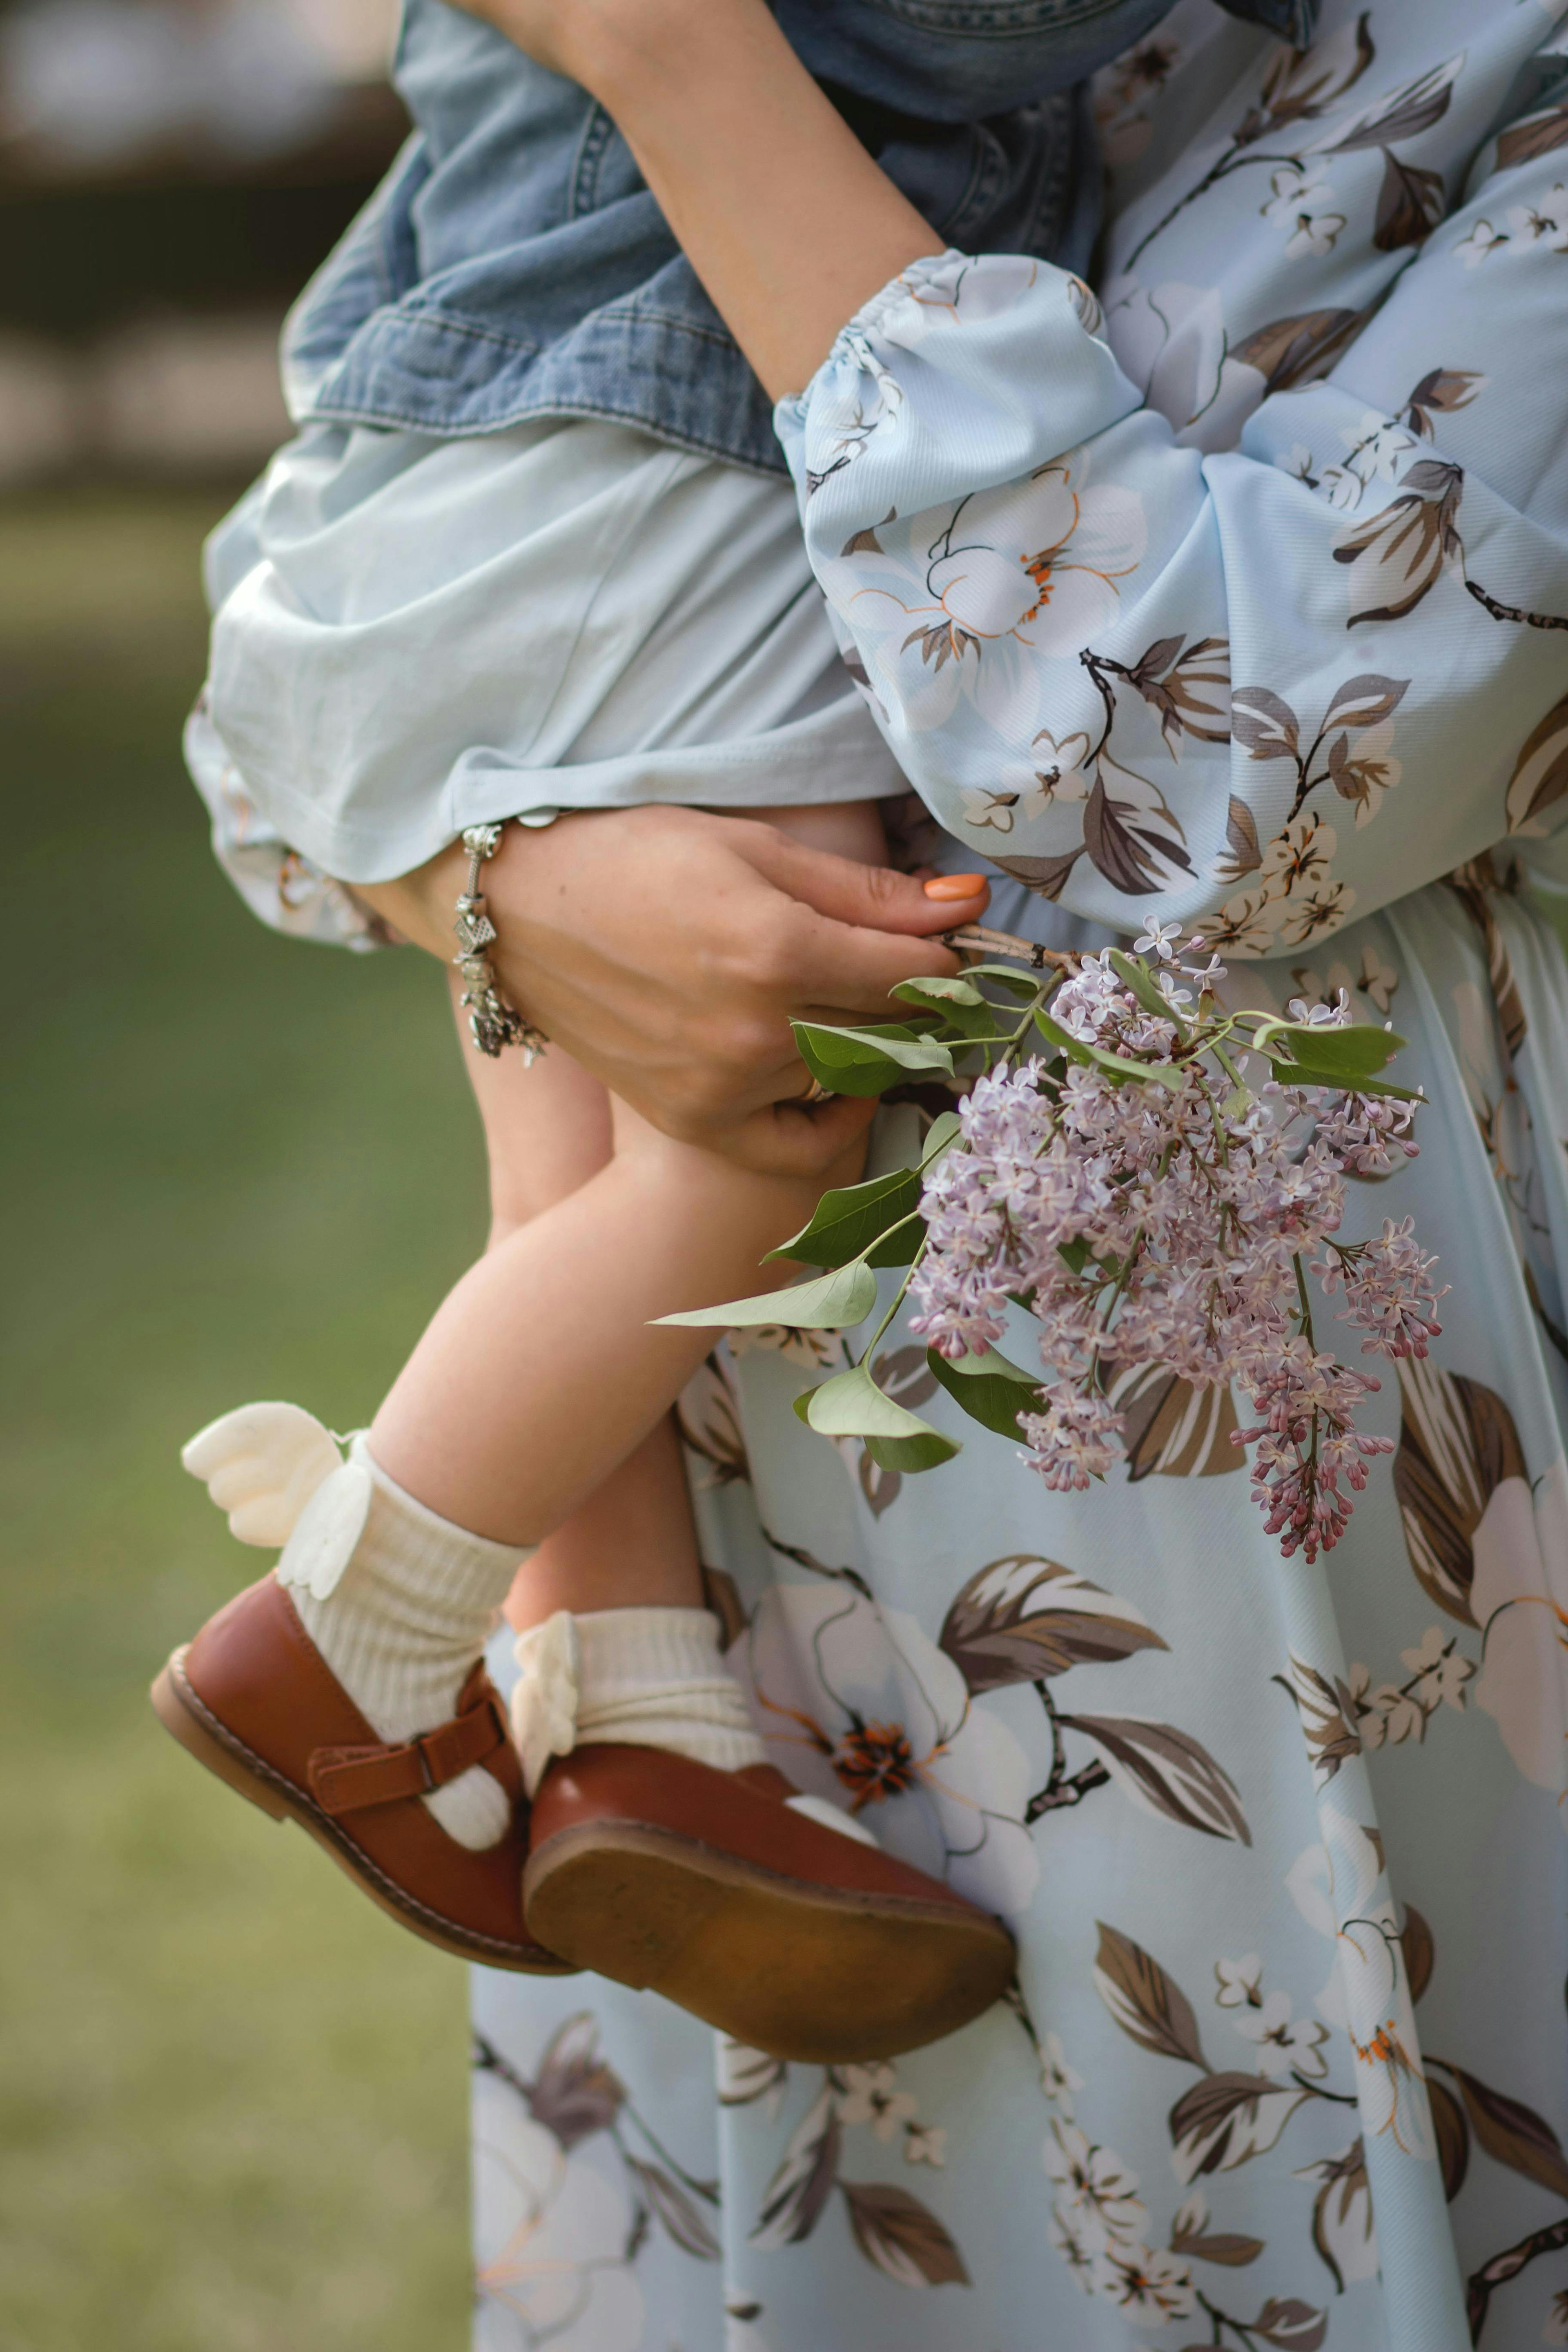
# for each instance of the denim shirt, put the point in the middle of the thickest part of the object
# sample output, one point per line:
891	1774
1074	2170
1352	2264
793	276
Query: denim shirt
513	265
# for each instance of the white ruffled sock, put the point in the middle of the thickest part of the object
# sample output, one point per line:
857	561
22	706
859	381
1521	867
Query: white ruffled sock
400	1603
645	1679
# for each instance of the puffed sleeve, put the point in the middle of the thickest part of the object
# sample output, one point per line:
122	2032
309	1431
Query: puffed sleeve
1270	687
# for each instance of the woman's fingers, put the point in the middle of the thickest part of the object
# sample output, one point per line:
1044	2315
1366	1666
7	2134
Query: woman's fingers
870	898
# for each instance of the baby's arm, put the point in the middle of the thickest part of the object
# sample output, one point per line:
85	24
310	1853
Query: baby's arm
787	221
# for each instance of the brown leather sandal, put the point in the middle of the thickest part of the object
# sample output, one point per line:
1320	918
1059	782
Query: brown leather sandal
706	1886
253	1699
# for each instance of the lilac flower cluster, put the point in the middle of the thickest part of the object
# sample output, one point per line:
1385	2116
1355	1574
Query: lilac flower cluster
1171	1220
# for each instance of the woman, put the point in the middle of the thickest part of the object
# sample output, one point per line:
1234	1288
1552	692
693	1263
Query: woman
1283	1854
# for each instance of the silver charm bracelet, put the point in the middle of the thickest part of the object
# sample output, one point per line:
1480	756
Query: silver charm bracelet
493	1023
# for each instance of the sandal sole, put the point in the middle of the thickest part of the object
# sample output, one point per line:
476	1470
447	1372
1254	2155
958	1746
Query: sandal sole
798	1971
201	1734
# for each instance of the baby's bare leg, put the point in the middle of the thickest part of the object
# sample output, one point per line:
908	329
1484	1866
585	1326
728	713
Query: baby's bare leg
540	1373
548	1129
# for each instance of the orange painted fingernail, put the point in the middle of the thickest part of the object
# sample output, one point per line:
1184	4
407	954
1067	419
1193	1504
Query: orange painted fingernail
954	885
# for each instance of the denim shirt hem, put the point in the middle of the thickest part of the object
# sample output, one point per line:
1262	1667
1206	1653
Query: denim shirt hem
433	369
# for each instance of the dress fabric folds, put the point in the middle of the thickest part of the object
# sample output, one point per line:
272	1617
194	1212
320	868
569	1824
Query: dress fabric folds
1236	596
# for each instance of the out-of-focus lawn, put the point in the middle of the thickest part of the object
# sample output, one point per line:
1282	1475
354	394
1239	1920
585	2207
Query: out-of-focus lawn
231	2093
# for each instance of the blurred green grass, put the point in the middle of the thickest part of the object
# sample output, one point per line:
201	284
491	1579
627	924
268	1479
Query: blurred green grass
231	2094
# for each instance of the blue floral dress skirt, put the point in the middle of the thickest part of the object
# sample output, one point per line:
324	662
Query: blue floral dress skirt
1236	596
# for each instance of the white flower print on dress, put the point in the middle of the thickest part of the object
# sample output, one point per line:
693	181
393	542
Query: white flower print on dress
925	2144
1038	563
1374	449
1171	340
1545	224
1057	2079
1096	2195
859	1704
551	2234
1060	770
1149	2286
1519	1599
870	2095
1296	188
1336	1888
1238	1981
1314	232
1481	243
987	811
1285	2044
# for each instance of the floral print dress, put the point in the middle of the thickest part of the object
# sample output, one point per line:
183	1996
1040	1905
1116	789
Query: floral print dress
1239	596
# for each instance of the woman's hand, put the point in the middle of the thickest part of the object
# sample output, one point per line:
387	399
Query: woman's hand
785	217
666	949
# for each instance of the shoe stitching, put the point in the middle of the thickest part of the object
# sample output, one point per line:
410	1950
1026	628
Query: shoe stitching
363	1863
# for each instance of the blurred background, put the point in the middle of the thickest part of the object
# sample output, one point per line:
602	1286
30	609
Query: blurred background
231	2098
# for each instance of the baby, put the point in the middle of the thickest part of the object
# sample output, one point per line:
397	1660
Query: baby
516	603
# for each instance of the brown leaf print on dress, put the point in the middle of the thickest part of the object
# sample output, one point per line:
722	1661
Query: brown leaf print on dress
680	2213
1341	2213
1226	2119
1148	2005
895	2231
574	2093
1398	555
1174	1429
1540	778
1299	350
1168	1772
900	2236
1536	134
711	1429
1477	885
1440	392
1022	1619
1027	1620
799	2189
1456	1444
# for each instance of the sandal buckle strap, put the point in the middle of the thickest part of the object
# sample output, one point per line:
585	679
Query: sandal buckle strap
347	1779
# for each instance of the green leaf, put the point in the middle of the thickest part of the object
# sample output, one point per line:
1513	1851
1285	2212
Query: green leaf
1006	975
1062	1039
1122	1068
990	1388
1341	1056
943	1131
957	1002
835	1302
867	1061
852	1405
1135	974
939	992
848	1221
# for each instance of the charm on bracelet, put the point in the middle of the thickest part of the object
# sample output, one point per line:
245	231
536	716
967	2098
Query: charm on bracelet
493	1023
